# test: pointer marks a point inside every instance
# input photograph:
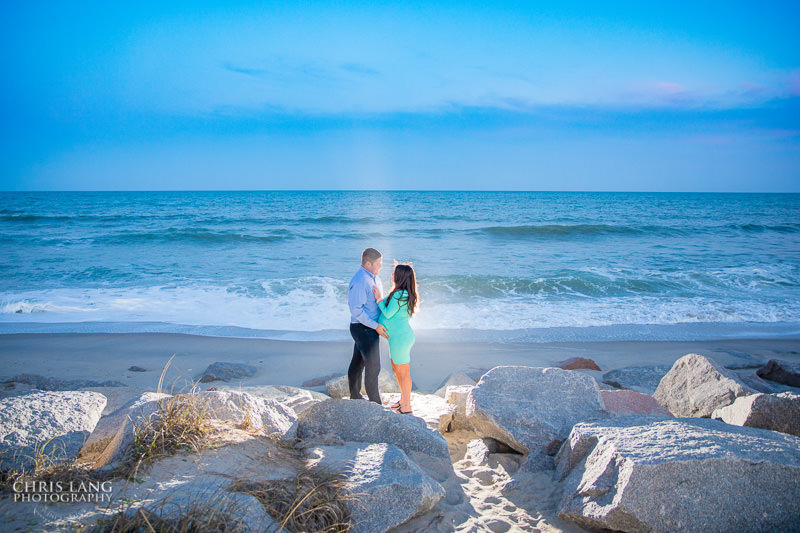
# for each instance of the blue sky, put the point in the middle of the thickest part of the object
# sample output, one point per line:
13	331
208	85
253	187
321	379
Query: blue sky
350	95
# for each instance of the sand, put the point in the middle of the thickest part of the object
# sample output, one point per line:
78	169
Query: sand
478	499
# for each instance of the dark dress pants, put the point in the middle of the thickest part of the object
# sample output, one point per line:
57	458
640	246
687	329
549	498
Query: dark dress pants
366	358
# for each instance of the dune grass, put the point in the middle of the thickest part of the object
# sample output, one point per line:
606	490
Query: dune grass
314	500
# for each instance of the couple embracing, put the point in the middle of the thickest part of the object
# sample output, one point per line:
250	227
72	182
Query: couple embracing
372	316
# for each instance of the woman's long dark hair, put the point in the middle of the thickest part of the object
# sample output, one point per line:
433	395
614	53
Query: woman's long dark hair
405	280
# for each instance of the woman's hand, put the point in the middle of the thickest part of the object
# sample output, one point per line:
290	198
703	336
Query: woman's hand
377	292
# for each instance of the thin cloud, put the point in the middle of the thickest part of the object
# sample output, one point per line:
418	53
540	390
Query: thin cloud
358	68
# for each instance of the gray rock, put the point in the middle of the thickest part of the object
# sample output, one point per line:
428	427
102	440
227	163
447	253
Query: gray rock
644	379
53	424
341	421
578	363
389	488
453	380
656	474
262	414
114	434
532	409
457	396
696	385
776	412
293	397
56	384
781	371
627	402
340	388
135	368
221	371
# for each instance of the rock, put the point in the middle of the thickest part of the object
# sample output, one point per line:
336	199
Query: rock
391	488
113	435
293	397
530	409
457	396
644	379
217	478
137	369
760	385
116	397
48	423
776	412
221	371
578	363
781	371
435	411
319	382
627	402
56	384
696	385
261	414
341	421
454	379
662	475
340	388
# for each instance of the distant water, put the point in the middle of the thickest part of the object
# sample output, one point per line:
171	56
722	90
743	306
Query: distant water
508	266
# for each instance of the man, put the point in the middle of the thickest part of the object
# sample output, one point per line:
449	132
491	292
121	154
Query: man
364	327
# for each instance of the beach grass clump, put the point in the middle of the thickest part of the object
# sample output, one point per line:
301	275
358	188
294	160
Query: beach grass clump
314	500
180	424
212	515
45	465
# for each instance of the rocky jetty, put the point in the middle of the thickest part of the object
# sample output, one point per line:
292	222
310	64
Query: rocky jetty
644	379
223	371
781	371
655	474
46	425
696	385
776	412
532	409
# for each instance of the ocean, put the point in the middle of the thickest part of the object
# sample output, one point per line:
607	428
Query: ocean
496	266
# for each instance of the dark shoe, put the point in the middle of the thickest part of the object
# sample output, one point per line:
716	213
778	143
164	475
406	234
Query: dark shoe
395	405
400	410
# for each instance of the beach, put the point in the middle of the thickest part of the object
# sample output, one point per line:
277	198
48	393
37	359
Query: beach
483	495
109	356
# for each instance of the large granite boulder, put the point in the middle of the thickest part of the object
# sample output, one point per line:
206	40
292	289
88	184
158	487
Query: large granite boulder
223	371
388	488
781	371
776	412
696	385
114	433
261	414
644	379
532	409
340	387
46	424
627	402
657	474
453	380
340	421
293	397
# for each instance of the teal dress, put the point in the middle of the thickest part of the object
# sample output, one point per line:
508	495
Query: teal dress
395	317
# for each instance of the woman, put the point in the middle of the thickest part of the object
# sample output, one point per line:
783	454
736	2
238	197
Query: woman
397	309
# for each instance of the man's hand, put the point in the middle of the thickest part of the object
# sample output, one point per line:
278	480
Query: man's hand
382	331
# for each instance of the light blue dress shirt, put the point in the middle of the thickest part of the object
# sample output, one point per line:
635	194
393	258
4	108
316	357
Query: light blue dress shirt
363	306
